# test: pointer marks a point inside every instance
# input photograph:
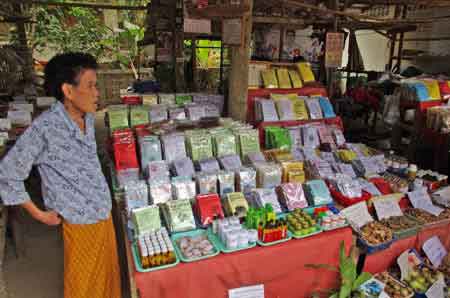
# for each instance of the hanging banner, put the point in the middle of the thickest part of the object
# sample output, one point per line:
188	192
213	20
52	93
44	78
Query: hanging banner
334	49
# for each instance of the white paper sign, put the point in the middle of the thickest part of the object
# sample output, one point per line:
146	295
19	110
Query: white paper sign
435	251
45	101
421	200
357	214
247	292
21	118
387	208
5	124
436	290
21	107
407	261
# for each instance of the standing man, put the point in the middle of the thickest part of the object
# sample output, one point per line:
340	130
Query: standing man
61	143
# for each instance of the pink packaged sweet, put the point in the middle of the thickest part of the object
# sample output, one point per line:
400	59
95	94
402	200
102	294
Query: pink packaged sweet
293	196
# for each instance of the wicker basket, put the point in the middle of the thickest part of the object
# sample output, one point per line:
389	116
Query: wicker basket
110	82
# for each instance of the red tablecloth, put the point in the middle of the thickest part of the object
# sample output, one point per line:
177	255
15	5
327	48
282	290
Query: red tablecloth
382	260
281	268
314	89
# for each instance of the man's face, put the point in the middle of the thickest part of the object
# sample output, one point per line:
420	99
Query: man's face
84	95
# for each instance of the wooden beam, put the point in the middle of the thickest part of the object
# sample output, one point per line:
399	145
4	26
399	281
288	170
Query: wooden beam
279	20
82	4
219	11
238	79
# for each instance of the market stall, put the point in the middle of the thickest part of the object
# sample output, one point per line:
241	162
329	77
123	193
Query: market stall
222	205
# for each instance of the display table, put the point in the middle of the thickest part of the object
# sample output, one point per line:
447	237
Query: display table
382	260
309	90
281	268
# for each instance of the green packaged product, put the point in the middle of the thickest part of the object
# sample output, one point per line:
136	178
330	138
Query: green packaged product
166	98
224	143
139	115
248	142
277	138
178	215
146	220
181	99
199	146
118	117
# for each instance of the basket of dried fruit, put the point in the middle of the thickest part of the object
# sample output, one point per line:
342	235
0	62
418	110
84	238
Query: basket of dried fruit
427	219
421	279
374	237
394	288
402	226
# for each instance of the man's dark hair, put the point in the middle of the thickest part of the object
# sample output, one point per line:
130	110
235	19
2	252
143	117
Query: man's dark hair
66	68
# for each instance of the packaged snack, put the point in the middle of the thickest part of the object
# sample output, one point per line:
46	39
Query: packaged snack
166	99
305	71
118	117
199	146
195	112
158	171
183	167
158	113
210	165
285	110
178	215
313	105
149	99
265	110
269	78
146	220
160	192
295	79
277	137
226	182
182	98
136	195
310	136
230	162
317	193
208	208
138	115
264	196
150	149
224	143
236	204
245	179
177	114
268	175
299	107
248	142
292	196
327	108
283	78
183	188
206	183
173	146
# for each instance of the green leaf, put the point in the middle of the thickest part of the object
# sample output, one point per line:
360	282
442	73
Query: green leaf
362	278
345	291
335	295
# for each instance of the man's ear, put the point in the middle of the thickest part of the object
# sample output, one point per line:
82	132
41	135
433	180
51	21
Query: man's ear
67	90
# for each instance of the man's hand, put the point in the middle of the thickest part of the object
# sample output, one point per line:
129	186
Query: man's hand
50	218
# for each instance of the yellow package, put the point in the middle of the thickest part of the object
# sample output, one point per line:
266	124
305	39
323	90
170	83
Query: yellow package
269	78
149	99
236	204
296	177
295	79
346	155
283	156
275	96
299	108
291	168
283	78
306	72
433	89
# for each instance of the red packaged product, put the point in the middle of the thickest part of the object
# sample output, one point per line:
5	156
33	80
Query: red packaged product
382	185
208	207
124	146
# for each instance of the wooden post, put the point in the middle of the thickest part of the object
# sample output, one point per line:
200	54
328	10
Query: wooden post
238	82
393	40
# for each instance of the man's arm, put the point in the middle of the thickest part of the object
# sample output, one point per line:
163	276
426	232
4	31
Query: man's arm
15	168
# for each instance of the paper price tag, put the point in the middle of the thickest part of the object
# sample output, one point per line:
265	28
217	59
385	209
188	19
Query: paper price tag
21	107
436	290
421	200
5	124
407	261
387	208
45	101
247	292
435	251
358	214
